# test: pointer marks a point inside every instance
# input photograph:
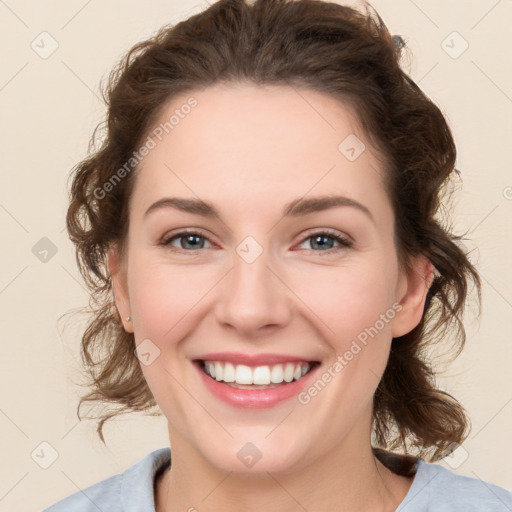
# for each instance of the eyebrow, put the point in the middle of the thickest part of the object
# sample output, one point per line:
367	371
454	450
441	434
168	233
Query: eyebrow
296	208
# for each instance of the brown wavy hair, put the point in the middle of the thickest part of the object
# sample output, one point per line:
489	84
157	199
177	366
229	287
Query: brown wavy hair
350	55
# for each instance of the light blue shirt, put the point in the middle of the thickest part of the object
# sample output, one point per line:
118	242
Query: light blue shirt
434	489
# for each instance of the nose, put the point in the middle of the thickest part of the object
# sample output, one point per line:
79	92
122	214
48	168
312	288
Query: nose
253	298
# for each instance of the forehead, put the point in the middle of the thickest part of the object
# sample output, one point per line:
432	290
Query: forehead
241	141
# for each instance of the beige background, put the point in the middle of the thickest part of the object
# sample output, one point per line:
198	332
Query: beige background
49	108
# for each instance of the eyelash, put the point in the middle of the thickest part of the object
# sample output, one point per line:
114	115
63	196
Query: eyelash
345	243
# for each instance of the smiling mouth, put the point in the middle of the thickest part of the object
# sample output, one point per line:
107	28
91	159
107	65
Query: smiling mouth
259	377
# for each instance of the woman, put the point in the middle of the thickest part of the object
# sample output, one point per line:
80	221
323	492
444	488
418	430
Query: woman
260	233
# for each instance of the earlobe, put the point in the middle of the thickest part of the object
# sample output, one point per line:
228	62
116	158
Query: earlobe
119	287
412	302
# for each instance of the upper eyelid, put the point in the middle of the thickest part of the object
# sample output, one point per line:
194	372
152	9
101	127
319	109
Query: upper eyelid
183	232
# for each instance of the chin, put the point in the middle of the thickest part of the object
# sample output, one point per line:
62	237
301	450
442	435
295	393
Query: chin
255	458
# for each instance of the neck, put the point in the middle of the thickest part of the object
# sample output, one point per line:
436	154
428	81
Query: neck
349	478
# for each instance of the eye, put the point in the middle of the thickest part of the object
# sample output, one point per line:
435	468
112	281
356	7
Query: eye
321	239
191	241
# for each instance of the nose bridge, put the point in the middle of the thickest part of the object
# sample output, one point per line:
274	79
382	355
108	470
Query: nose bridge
253	297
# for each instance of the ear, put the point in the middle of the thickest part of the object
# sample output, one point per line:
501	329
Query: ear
412	293
117	271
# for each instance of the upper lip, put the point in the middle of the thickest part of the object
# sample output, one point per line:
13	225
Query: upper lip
253	360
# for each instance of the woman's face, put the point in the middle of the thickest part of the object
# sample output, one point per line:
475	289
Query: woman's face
262	278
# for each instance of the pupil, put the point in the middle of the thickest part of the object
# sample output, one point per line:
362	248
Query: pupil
321	237
191	238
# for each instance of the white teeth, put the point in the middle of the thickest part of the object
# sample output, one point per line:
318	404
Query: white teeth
218	370
243	374
260	375
289	370
276	374
229	373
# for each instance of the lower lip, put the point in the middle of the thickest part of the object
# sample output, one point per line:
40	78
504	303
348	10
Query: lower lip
254	398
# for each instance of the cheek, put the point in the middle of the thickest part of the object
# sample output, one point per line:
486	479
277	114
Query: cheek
166	301
351	300
163	297
356	308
